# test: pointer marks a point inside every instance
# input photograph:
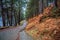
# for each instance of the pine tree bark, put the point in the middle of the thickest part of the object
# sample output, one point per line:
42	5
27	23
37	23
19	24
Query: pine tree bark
3	14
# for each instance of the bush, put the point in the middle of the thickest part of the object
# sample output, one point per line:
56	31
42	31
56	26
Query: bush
21	23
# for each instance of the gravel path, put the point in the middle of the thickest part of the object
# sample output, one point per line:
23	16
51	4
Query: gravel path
23	34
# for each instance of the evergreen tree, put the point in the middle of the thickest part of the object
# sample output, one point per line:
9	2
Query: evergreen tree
32	8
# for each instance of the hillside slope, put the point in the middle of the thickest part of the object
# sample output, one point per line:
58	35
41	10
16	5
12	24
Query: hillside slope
45	26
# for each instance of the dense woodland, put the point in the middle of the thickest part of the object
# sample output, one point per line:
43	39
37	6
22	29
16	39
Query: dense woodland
14	11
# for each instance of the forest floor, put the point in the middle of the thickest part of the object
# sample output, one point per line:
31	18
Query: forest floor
44	28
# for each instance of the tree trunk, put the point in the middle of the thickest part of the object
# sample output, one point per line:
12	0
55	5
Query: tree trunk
11	13
3	14
40	6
